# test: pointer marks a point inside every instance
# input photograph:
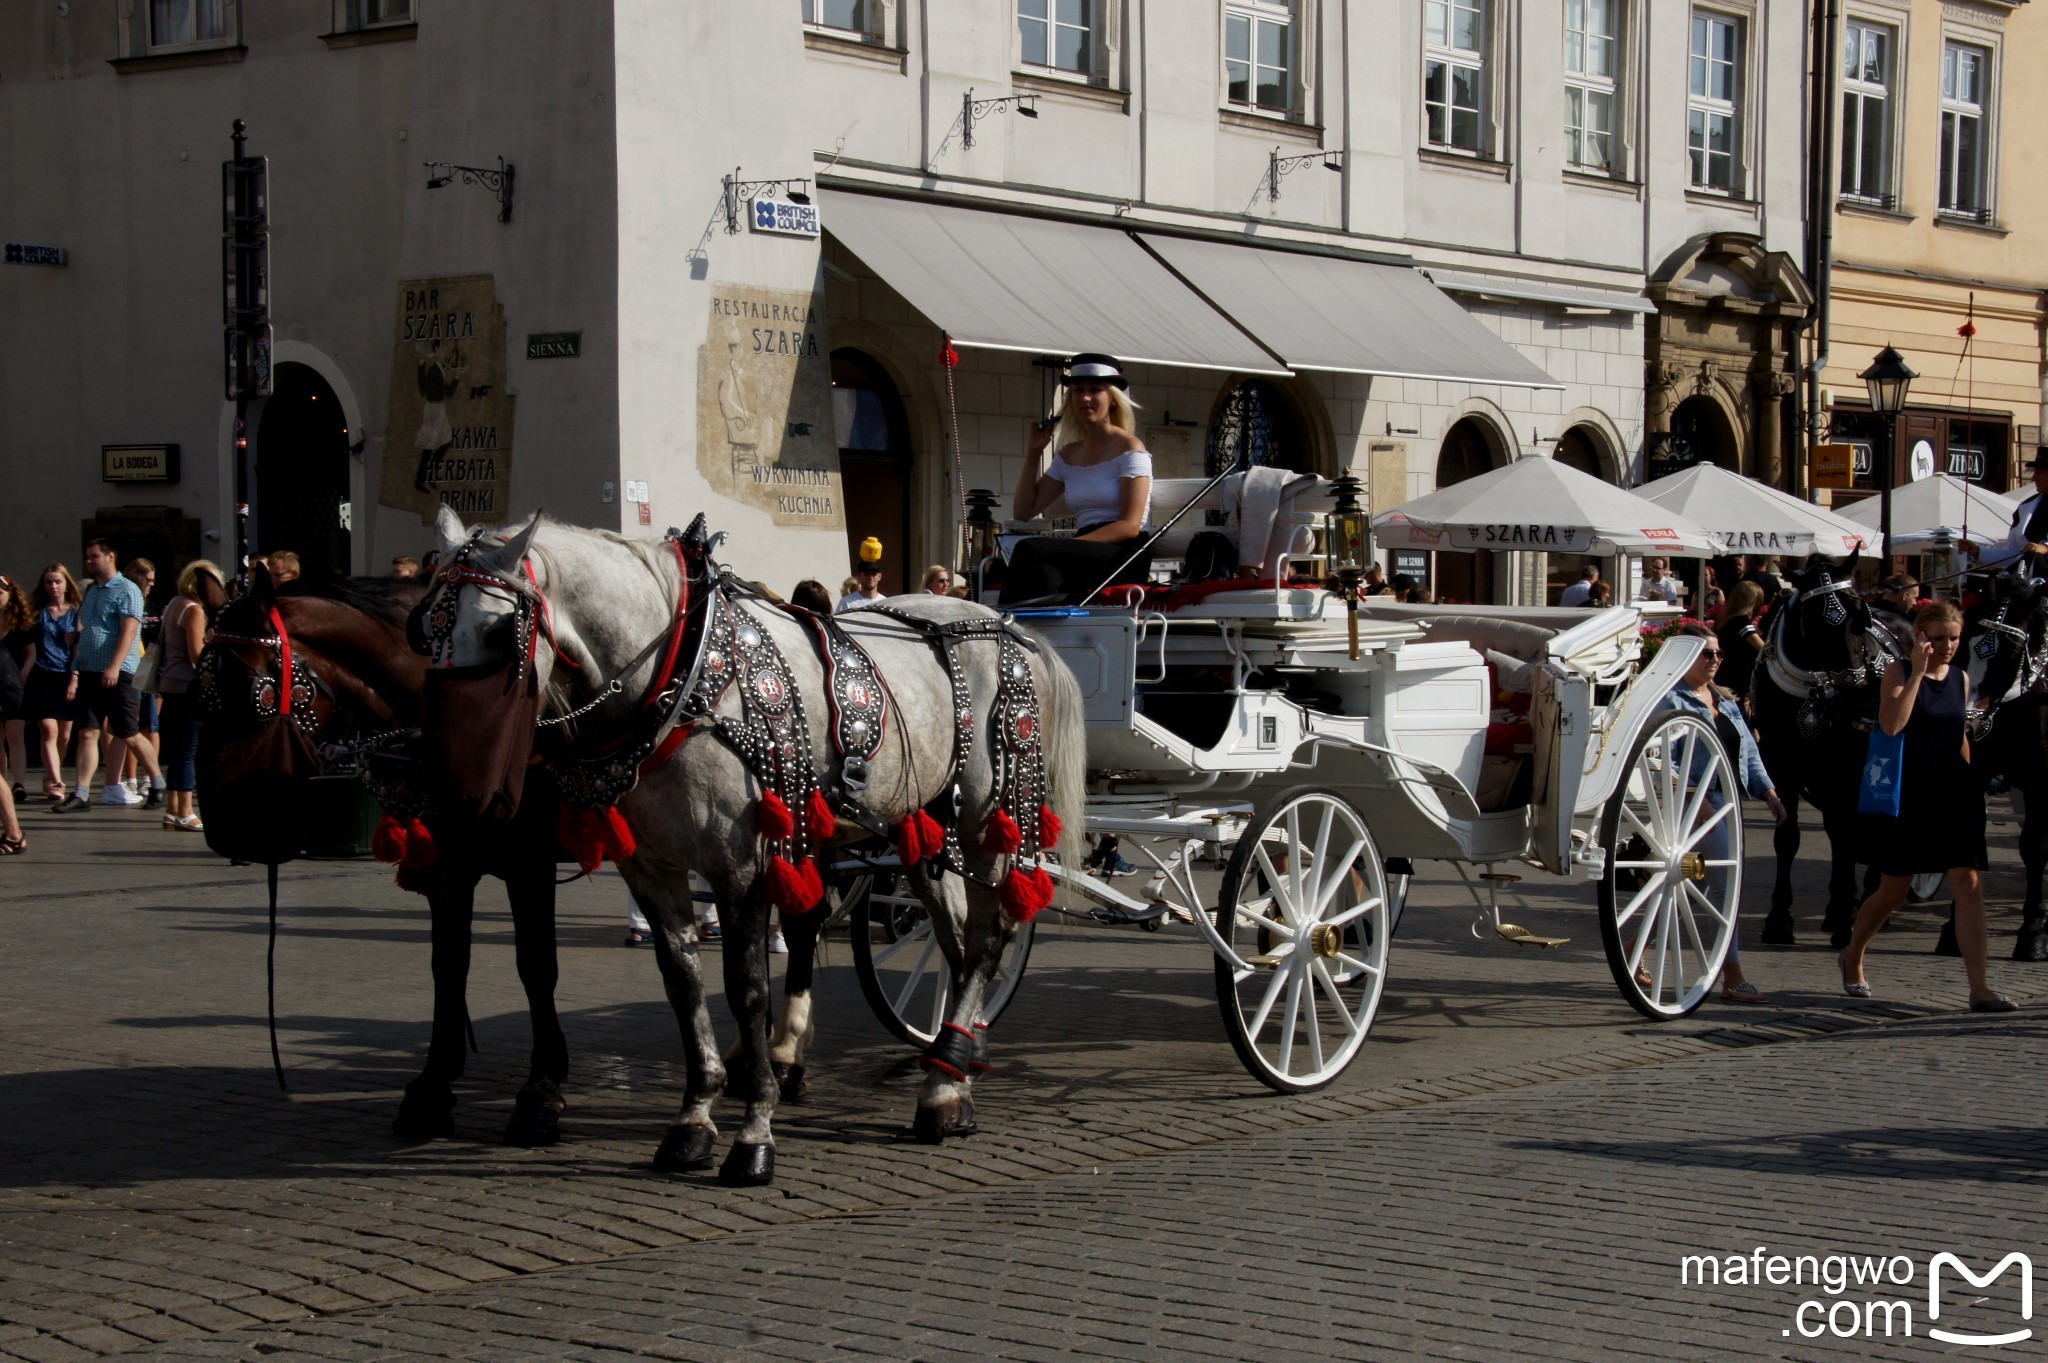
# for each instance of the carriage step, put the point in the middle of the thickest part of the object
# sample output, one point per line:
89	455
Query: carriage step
1117	918
1522	937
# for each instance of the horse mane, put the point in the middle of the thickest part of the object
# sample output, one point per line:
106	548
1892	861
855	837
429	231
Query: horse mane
382	597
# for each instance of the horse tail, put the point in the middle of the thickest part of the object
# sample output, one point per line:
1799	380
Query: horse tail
1066	755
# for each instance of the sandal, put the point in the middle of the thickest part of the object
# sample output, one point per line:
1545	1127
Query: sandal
53	790
1745	992
1855	989
13	847
637	938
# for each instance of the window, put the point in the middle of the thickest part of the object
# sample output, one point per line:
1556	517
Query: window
1713	110
1592	71
1965	74
185	23
847	15
1866	113
1454	74
1258	54
353	16
1057	34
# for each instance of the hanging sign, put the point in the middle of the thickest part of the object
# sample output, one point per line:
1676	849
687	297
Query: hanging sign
783	218
1832	466
139	463
21	253
1923	460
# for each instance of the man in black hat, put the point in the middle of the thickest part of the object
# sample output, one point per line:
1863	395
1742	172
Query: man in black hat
2028	536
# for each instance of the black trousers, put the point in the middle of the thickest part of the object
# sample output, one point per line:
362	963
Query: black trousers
1050	571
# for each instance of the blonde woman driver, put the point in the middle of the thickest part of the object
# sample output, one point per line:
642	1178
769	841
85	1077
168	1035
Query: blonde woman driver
1104	472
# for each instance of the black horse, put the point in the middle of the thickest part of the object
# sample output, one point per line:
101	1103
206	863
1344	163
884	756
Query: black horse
1813	698
2005	651
354	677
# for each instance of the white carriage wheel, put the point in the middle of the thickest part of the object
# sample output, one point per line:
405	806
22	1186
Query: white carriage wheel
905	977
1673	882
1304	905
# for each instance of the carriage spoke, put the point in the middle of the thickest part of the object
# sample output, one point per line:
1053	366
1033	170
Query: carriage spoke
1356	911
916	972
1694	892
921	933
1655	883
1339	873
1709	784
1294	978
1294	895
1315	1025
942	998
1642	939
1664	916
1713	822
1655	839
1362	967
1258	1020
1353	1022
1277	883
1312	892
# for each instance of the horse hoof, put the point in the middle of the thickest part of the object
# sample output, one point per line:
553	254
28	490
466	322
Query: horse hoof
748	1166
536	1118
962	1123
790	1080
933	1125
1778	933
424	1115
685	1149
2031	944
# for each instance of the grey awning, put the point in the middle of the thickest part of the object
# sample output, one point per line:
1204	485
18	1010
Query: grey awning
1000	281
1347	316
1586	296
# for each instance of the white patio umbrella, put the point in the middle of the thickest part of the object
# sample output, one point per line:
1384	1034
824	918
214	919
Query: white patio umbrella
1928	510
1757	518
1537	505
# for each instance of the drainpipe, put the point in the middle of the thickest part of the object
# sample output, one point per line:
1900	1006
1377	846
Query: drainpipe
1820	258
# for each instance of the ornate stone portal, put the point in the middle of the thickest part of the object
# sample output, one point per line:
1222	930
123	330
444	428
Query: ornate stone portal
1722	358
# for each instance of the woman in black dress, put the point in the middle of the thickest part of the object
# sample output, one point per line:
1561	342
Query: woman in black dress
1940	826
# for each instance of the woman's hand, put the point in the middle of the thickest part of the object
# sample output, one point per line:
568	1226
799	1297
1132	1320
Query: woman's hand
1038	436
1777	807
1923	657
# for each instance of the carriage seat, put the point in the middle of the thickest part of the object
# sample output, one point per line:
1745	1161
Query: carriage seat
1259	512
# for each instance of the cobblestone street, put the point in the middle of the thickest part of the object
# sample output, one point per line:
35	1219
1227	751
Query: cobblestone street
1512	1168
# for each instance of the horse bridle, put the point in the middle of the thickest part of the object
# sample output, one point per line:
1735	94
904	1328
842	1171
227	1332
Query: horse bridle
297	685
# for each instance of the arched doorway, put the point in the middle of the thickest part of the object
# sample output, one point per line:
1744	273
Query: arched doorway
302	472
1469	449
874	465
1582	448
1700	434
1257	418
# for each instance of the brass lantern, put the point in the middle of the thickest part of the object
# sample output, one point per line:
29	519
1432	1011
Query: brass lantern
1347	547
978	538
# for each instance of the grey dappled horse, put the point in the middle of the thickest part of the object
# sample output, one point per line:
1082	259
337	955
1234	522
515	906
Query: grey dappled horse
604	604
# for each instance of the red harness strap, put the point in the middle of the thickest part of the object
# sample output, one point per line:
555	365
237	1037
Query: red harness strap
284	654
676	737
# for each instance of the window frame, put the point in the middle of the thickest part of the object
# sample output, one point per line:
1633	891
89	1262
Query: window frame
1479	61
1616	86
1091	41
1735	108
349	16
1289	15
870	14
1887	94
230	34
1984	111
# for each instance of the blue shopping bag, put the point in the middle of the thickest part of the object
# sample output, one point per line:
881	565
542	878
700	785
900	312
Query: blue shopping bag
1883	767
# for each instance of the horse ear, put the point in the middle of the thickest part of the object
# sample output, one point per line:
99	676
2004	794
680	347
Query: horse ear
1854	555
449	529
210	592
515	548
262	590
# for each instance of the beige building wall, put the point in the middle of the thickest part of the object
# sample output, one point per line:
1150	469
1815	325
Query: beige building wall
1913	264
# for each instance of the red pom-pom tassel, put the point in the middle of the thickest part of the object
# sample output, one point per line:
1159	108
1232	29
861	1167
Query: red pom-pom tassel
1025	894
819	820
420	851
1050	826
577	829
388	842
794	889
1002	837
615	838
774	819
919	838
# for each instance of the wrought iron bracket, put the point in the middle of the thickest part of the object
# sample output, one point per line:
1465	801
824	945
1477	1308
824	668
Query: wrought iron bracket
498	181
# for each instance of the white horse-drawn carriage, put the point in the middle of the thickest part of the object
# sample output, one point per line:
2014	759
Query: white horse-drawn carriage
1235	726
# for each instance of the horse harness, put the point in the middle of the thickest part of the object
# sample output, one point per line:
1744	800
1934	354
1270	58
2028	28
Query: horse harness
1818	690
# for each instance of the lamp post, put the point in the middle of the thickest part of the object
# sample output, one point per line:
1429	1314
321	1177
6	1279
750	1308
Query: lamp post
1888	378
1347	541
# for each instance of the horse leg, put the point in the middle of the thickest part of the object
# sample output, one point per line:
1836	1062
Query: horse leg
672	914
428	1108
751	1161
537	1111
1839	920
1785	842
967	920
795	1028
2032	942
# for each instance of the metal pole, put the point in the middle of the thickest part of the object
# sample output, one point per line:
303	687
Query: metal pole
240	439
1885	471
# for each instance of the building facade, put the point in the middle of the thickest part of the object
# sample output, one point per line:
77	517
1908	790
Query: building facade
1933	236
1411	238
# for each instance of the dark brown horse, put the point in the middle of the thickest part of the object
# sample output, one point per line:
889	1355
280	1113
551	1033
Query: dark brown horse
354	679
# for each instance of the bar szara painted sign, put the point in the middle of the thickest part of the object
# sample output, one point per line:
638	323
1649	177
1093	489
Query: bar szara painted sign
448	441
765	435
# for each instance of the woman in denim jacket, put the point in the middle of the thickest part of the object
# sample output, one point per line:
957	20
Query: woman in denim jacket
1695	693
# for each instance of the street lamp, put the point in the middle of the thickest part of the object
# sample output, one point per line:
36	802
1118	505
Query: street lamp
1888	378
1347	542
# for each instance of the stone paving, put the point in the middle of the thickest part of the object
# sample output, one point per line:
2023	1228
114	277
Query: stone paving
156	1189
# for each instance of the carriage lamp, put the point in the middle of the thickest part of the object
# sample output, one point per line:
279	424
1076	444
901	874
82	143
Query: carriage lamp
1347	541
978	536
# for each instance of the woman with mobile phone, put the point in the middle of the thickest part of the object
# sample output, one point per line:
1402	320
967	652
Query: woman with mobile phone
1103	471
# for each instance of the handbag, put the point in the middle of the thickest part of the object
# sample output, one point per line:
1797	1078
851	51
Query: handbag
1883	773
145	671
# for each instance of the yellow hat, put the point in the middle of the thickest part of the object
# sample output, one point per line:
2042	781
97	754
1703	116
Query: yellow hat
871	551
